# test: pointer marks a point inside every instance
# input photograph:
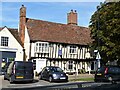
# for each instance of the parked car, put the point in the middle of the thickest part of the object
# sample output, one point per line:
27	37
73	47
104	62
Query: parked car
108	73
53	73
19	71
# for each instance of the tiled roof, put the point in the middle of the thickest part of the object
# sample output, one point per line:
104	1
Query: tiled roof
14	32
1	28
55	32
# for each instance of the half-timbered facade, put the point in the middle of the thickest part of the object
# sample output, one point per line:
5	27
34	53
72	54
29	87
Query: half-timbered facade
70	58
55	44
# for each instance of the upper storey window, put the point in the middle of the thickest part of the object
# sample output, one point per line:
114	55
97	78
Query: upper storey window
73	49
41	47
4	41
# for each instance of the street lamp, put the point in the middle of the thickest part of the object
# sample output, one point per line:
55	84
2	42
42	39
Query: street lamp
98	57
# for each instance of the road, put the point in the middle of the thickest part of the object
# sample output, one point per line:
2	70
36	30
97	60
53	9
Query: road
6	83
36	82
45	85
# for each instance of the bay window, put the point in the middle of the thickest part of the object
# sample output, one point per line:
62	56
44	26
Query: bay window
41	47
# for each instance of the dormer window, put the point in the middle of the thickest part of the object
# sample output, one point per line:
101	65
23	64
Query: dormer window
4	41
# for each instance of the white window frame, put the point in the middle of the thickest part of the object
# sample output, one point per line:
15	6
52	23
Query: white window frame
73	49
4	41
41	47
70	65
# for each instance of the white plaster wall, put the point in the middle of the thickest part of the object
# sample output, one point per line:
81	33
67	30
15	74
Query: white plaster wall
13	45
32	49
27	44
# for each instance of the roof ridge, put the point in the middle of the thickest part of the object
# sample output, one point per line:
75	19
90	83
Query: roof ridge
47	21
56	23
13	28
7	27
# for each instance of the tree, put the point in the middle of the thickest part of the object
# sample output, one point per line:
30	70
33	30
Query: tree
105	31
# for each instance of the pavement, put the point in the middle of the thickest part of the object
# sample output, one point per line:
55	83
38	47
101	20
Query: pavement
74	76
66	86
70	77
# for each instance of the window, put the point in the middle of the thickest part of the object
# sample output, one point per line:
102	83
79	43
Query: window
70	65
4	41
73	49
41	47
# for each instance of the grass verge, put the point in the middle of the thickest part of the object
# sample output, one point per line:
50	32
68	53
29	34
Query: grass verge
83	79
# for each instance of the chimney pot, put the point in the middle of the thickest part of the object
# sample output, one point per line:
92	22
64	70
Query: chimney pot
71	10
72	18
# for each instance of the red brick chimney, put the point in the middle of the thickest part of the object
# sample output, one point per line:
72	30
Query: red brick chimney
72	17
22	22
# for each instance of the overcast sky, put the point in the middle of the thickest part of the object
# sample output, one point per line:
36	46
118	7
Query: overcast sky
48	11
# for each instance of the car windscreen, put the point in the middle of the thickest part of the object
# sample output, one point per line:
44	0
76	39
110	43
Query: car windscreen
56	69
19	65
28	65
24	65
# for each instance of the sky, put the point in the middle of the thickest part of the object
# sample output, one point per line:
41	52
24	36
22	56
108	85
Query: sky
47	11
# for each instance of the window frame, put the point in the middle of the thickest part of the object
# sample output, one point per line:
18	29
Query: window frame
73	49
70	65
41	47
4	41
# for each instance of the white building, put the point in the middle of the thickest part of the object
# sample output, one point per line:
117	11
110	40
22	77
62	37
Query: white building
10	45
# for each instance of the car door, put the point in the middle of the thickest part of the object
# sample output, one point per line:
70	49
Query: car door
28	70
43	73
114	73
19	70
46	73
117	73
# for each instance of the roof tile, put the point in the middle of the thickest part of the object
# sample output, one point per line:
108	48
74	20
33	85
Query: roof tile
55	32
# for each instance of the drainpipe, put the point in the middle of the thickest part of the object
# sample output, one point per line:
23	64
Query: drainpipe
24	59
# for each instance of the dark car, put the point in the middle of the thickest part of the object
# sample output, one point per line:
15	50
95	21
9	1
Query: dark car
19	71
108	73
53	73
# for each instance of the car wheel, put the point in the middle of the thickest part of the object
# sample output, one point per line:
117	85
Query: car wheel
110	79
50	79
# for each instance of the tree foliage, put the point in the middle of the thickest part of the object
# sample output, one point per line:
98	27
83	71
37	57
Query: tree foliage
105	31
